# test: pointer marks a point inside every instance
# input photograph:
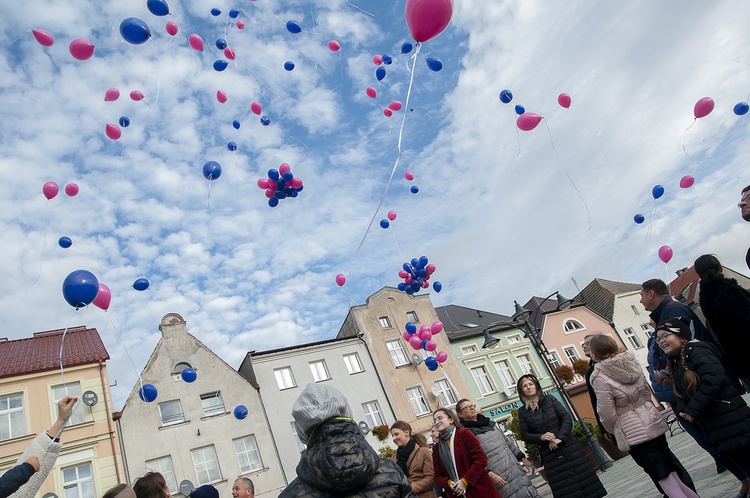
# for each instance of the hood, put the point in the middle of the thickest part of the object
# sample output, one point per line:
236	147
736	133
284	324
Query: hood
623	368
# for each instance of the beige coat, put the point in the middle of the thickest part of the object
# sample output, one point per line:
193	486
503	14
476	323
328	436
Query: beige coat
421	473
46	451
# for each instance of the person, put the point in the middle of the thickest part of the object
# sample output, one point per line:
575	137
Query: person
545	422
205	491
46	447
460	463
120	491
338	461
151	485
590	388
744	206
243	488
435	436
17	476
625	408
503	454
706	396
726	306
413	457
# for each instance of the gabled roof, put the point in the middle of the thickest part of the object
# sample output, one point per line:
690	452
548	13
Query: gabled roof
537	316
42	352
599	296
460	322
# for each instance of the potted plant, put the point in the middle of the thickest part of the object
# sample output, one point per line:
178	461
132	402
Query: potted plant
581	367
583	441
381	432
532	451
565	372
386	452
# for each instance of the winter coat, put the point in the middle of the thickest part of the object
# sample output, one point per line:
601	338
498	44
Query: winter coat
421	472
726	306
669	308
720	411
503	456
338	462
47	454
471	464
657	360
569	473
624	399
14	478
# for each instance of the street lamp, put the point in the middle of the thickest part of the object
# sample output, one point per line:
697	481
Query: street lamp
489	341
522	315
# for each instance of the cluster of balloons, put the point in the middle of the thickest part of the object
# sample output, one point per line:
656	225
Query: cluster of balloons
81	288
280	184
51	189
657	192
527	121
422	339
385	223
416	275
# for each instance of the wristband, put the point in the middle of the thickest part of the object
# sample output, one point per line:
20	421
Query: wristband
55	439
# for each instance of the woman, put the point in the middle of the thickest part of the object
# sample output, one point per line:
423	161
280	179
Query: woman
414	459
623	402
543	421
503	455
151	485
460	464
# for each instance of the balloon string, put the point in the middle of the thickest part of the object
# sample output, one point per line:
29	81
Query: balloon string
127	353
691	125
44	247
602	145
669	286
158	85
397	247
360	9
209	194
686	152
518	140
566	174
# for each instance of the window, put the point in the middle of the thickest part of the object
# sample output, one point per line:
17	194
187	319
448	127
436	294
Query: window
71	389
180	367
171	412
647	330
398	357
469	349
635	310
164	467
12	417
385	322
634	341
353	365
412	316
469	325
78	482
372	414
426	354
513	339
524	363
284	378
212	404
206	465
446	395
416	399
571	353
554	359
319	370
503	370
482	380
248	455
571	325
300	444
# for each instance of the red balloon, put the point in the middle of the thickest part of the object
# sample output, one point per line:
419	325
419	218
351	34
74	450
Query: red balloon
136	95
564	100
256	108
377	59
687	181
427	18
665	253
172	28
196	42
340	279
392	216
388	112
45	39
221	96
703	107
241	24
528	121
50	190
333	46
103	297
371	92
81	49
71	189
113	131
396	105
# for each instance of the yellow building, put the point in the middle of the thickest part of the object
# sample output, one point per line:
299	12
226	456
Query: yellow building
31	383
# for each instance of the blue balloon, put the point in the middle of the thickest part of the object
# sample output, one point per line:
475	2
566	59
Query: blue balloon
80	288
430	360
288	191
265	121
135	31
221	43
410	327
220	65
279	194
280	183
380	73
124	121
212	170
289	65
424	343
148	393
437	286
406	48
299	189
639	218
423	261
273	202
65	242
741	108
215	12
434	63
414	264
414	189
236	124
232	146
384	223
273	174
401	286
158	7
295	193
288	176
657	191
293	27
520	109
407	267
189	375
240	412
387	59
409	290
506	96
432	368
141	284
234	13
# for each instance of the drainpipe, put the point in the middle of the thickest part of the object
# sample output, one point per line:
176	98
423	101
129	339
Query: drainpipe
109	421
273	440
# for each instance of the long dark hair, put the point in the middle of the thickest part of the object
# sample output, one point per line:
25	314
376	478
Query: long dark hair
151	485
708	267
404	426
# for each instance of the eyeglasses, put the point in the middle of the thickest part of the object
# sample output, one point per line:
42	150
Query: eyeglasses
744	200
471	407
663	337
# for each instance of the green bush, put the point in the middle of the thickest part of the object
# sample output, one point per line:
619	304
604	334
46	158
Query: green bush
578	433
386	452
581	367
532	452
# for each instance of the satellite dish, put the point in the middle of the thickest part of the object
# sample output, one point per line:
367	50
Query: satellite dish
416	359
364	428
89	398
186	487
435	390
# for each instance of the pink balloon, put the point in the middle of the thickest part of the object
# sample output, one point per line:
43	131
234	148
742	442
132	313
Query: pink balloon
396	105
103	297
81	49
406	336
136	95
377	59
333	46
50	190
340	279
564	100
436	327
424	327
229	53
256	108
371	92
296	182
111	95
221	96
409	175
240	24
703	107
431	346
263	183
387	112
408	280
415	342
403	273
113	131
45	39
665	253
687	181
172	28
196	42
392	216
528	121
71	190
441	356
269	192
426	334
284	168
427	18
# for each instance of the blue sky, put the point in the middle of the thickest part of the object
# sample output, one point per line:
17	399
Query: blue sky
496	212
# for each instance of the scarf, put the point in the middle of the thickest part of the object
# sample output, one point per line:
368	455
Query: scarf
402	455
532	404
446	455
479	426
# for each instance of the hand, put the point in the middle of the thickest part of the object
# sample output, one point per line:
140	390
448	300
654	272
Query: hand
548	436
499	481
553	445
459	488
526	463
65	408
687	417
608	437
34	461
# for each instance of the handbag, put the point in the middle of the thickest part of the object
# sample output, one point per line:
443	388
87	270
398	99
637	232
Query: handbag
622	442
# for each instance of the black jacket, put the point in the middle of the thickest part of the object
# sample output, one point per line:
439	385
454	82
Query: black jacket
15	478
339	463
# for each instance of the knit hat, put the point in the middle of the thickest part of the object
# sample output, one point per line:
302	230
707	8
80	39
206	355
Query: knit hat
316	404
679	326
205	491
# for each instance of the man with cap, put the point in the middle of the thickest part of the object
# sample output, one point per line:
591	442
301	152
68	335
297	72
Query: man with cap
338	461
243	488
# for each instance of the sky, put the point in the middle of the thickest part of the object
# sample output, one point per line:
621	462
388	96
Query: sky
503	214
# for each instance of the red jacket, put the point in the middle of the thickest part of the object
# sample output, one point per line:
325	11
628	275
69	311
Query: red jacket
471	464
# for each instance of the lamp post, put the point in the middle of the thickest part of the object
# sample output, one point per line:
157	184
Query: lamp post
522	315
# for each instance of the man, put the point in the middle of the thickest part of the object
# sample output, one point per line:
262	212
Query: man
243	488
656	299
592	394
744	206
